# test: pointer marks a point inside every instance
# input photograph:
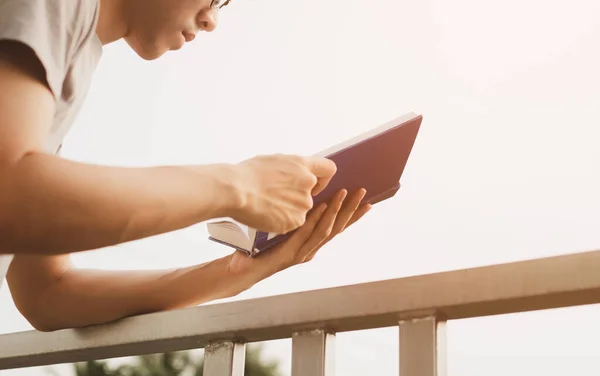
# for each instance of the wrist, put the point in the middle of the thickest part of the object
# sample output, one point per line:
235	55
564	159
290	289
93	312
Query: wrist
248	271
227	190
234	278
213	281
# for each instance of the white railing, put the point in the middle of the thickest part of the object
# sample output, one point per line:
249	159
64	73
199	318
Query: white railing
419	306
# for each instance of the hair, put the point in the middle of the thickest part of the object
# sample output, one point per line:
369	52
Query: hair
224	4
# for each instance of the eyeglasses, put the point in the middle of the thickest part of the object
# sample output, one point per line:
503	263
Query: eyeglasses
218	4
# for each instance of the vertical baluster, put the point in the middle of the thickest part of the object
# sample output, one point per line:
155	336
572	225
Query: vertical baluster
224	359
313	353
423	347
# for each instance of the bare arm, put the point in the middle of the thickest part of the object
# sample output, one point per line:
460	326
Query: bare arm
54	206
49	205
53	295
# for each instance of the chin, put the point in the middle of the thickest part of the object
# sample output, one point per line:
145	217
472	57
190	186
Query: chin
150	55
146	51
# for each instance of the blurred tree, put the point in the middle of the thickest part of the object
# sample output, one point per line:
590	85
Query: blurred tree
180	363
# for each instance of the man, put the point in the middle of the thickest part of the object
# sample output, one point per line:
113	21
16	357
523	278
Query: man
51	207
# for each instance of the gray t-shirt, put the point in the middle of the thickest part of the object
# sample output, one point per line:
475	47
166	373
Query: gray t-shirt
62	33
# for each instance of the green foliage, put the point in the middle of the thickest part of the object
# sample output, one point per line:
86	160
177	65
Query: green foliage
255	366
179	363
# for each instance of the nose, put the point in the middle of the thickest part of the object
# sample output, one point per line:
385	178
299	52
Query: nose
208	19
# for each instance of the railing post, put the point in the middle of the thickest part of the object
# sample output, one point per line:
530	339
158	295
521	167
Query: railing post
224	359
313	353
423	347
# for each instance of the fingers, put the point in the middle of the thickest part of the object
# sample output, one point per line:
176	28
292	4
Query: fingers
351	212
358	214
323	169
285	255
325	226
304	232
322	183
322	224
350	207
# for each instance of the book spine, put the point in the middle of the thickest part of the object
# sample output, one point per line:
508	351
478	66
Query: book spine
246	251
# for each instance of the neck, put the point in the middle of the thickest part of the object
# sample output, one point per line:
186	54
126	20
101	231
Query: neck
112	24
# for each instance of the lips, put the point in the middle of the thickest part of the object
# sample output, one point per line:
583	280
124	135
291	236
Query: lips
188	36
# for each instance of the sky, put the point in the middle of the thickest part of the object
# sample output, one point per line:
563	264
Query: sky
506	166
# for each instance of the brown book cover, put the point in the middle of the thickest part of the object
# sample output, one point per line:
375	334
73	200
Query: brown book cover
374	160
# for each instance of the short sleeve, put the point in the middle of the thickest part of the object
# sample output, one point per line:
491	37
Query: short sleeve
53	29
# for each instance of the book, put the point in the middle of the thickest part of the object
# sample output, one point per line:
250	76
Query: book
373	160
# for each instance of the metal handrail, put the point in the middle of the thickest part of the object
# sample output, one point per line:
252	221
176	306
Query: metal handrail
553	282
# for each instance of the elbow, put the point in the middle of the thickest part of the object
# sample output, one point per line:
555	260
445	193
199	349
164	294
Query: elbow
43	325
41	321
40	311
9	209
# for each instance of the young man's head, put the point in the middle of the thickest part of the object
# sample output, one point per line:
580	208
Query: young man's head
153	27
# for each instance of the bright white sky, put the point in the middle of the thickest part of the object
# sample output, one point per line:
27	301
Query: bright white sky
506	166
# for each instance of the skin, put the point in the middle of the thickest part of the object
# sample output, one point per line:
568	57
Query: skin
80	207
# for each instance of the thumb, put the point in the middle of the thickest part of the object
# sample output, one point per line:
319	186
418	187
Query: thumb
322	183
321	167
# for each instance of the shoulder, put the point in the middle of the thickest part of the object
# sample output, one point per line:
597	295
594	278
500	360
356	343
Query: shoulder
54	30
72	19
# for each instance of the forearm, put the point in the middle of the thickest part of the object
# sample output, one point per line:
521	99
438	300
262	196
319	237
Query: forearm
55	206
80	298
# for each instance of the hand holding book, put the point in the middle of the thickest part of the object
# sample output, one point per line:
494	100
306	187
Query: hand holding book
323	223
373	160
277	190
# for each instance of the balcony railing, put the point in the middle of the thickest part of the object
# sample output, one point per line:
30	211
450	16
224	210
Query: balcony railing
419	306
